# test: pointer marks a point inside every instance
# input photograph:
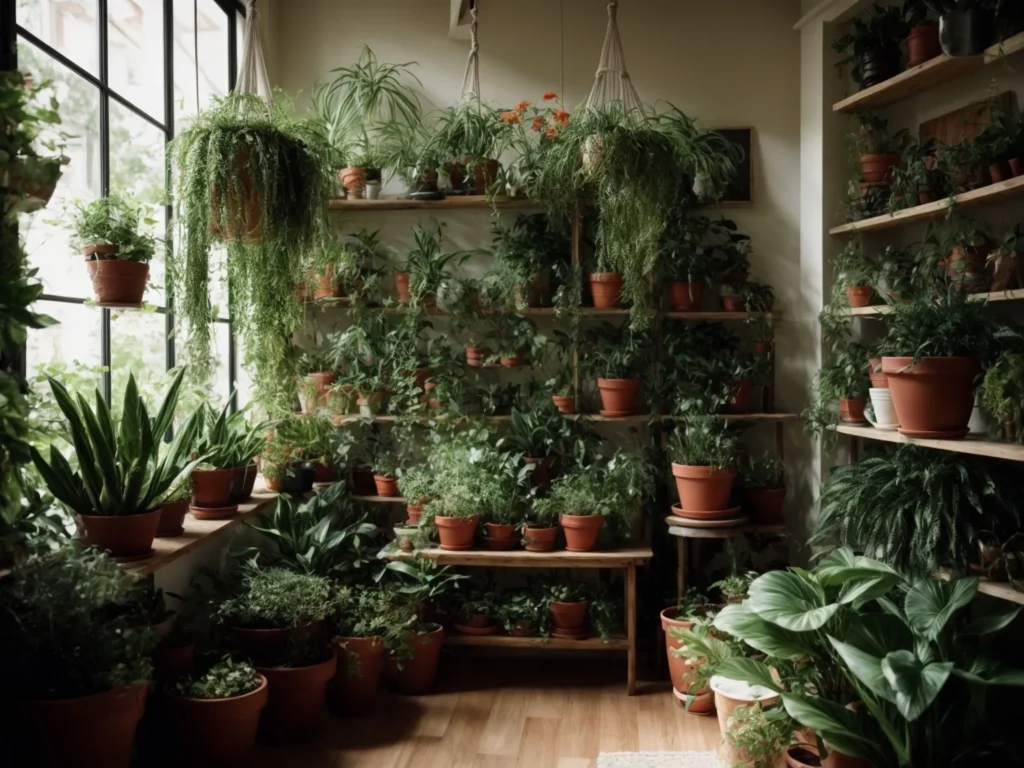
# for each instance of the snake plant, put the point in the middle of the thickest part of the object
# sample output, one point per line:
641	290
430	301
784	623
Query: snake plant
121	470
227	441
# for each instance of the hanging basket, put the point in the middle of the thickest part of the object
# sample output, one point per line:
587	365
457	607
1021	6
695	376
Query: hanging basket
244	218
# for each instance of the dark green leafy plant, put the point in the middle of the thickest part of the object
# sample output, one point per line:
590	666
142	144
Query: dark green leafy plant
844	377
274	598
703	441
519	607
372	612
765	472
427	263
614	352
113	220
537	431
224	680
1002	391
761	734
884	30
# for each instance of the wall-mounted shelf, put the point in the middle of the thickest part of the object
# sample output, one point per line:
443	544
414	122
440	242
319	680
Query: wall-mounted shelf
520	558
615	642
636	418
455	202
380	499
969	444
991	194
941	69
885	309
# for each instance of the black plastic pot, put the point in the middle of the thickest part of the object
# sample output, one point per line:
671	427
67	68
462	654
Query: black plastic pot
966	33
299	479
878	65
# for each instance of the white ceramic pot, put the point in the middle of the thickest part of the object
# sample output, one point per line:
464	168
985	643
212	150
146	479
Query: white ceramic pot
883	414
372	190
978	425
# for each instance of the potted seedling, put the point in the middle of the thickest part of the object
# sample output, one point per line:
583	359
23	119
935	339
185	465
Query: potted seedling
225	475
764	489
756	735
315	368
919	179
704	466
735	586
524	255
112	234
215	713
516	340
417	484
174	506
855	275
521	613
1001	394
686	264
567	605
872	47
562	384
539	434
476	614
503	506
455	518
923	40
426	267
615	357
540	529
731	297
879	151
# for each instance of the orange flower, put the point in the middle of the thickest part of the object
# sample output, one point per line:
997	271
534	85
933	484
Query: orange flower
550	95
551	133
562	117
510	117
522	105
538	123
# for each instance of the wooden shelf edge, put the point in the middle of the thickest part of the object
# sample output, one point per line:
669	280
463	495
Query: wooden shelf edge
454	202
520	558
380	499
1000	590
776	314
637	418
615	643
968	445
884	309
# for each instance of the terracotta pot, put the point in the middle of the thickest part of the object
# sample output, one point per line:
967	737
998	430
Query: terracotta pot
173	662
763	348
475	357
999	171
564	404
325	285
523	628
581	531
456	533
731	303
360	663
386	485
742	394
323	472
686	297
456	174
94	731
354	181
484	175
606	289
703	489
541	475
172	519
851	410
859	295
539	539
618	396
118	282
923	44
100	251
414	512
212	487
765	505
535	292
933	397
1016	166
568	617
244	217
321	382
514	361
296	701
124	536
966	268
215	732
500	532
245	481
680	672
264	646
878	380
417	674
402	287
273	484
875	169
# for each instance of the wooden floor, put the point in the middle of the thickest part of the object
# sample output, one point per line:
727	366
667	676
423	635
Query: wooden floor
507	713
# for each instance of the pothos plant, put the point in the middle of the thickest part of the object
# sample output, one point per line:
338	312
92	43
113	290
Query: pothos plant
255	178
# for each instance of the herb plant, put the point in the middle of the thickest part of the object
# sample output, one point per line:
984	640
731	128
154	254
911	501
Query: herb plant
614	352
275	598
703	441
226	679
114	220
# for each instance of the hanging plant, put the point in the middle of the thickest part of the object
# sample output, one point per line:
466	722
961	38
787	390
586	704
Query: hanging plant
256	179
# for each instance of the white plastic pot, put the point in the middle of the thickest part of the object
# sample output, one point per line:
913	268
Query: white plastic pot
882	414
372	190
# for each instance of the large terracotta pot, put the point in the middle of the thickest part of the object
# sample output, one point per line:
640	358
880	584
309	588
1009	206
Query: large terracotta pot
539	539
386	485
116	281
568	617
126	537
211	488
360	663
456	533
933	397
215	732
606	289
416	675
851	410
765	505
923	44
296	701
172	519
94	731
876	169
741	393
703	489
686	297
618	396
681	672
859	295
581	531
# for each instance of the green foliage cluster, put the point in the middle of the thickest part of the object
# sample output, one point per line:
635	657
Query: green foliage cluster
227	440
1002	391
226	679
275	597
703	441
114	220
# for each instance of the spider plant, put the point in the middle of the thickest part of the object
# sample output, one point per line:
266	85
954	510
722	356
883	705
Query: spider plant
427	263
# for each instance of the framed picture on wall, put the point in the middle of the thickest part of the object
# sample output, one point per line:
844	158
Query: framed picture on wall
741	190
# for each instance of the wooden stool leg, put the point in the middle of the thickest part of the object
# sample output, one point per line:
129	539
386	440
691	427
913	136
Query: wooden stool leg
681	570
631	629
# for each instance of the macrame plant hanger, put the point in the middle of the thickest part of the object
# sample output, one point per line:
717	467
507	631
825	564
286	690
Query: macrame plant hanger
471	80
611	82
252	77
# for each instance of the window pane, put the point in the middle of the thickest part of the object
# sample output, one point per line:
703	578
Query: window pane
239	39
137	169
137	346
47	240
222	376
212	40
70	28
243	382
135	35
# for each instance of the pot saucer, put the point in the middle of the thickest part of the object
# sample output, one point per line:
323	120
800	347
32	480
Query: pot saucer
500	545
566	634
616	414
467	630
953	434
173	534
731	522
135	558
213	513
449	548
854	422
886	427
715	514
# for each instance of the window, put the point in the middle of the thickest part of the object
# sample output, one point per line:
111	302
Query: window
127	75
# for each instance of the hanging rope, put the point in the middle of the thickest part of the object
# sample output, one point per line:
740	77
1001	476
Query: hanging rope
612	83
252	77
471	80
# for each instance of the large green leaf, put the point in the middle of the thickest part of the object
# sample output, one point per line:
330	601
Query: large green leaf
83	449
741	622
931	603
916	684
103	456
748	671
862	590
130	428
791	601
838	726
60	479
991	624
998	676
865	668
878	633
165	415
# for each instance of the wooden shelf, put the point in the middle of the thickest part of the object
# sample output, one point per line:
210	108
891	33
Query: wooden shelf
677	527
455	202
1000	590
636	418
615	642
520	558
940	208
380	499
970	444
941	69
332	303
885	309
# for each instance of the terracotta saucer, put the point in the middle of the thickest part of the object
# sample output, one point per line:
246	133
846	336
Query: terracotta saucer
135	558
564	634
716	514
731	522
465	630
617	414
213	513
455	549
953	434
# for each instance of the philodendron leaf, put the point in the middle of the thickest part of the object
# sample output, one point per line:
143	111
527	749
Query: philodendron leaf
748	671
931	603
771	639
791	601
837	725
866	668
916	684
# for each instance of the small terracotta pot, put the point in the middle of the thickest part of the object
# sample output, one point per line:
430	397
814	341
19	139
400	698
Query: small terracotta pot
118	282
296	701
414	512
703	489
581	531
484	175
500	532
541	475
878	380
386	485
428	181
859	295
606	289
680	672
564	404
514	361
540	539
731	303
923	44
323	472
456	174
245	481
763	348
523	628
618	396
686	297
173	662
123	536
765	505
456	533
212	487
742	393
851	410
966	268
933	397
402	287
416	675
1016	166
172	519
475	357
215	731
568	617
94	731
360	664
354	181
876	168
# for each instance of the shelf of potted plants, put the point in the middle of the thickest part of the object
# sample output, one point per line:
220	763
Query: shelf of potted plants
884	309
451	203
615	642
970	444
519	558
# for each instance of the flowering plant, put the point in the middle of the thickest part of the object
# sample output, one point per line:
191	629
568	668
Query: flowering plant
538	127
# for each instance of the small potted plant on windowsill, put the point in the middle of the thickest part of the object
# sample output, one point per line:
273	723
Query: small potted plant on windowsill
615	357
704	465
872	46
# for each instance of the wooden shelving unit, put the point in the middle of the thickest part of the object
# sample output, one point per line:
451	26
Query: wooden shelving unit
453	203
615	642
885	309
636	418
970	444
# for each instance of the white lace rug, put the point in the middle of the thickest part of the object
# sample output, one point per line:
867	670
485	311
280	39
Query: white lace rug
658	760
